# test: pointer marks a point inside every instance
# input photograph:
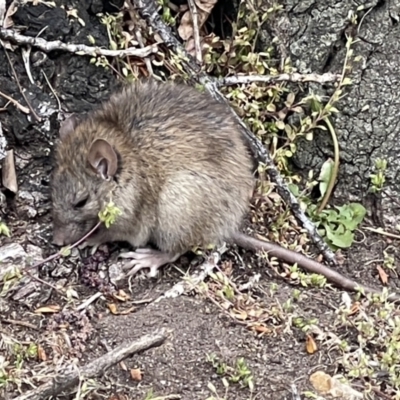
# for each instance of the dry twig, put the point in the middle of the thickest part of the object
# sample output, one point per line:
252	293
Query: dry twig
37	118
194	280
295	77
22	108
147	60
79	49
196	32
8	172
71	376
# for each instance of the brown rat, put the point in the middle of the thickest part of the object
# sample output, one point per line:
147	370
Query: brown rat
175	162
177	166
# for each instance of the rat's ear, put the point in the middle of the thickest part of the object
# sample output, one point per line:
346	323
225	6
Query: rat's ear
103	158
68	126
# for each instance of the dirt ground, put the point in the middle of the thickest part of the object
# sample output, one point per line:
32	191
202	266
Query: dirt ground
267	323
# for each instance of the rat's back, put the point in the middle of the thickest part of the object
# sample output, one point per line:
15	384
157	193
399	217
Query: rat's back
176	125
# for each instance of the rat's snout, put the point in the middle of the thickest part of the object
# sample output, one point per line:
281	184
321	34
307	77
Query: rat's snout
59	238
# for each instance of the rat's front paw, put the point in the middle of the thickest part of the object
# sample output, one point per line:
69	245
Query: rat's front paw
147	258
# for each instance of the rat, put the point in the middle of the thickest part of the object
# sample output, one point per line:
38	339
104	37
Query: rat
176	164
171	159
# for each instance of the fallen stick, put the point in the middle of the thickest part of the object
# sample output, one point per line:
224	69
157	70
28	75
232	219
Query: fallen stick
73	375
79	49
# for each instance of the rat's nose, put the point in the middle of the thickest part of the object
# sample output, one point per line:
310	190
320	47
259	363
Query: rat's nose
58	238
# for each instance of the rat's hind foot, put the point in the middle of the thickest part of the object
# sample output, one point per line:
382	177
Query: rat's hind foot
147	258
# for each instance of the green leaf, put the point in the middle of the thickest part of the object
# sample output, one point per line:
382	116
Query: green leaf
325	176
271	107
294	189
65	251
289	99
343	241
4	229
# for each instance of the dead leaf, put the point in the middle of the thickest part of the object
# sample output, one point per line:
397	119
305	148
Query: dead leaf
382	275
121	296
128	311
7	22
136	374
256	313
326	385
2	10
113	308
355	308
321	381
41	353
239	314
261	329
204	8
311	346
48	309
9	175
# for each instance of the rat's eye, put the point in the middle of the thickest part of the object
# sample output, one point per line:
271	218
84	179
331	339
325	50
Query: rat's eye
81	203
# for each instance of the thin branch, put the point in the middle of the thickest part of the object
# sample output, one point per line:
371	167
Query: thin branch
147	60
188	283
79	49
295	77
148	10
38	119
73	375
22	108
196	33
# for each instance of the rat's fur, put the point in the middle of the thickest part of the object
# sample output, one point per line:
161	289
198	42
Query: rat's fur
184	174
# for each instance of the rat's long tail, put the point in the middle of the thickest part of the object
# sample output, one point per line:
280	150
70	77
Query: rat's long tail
302	261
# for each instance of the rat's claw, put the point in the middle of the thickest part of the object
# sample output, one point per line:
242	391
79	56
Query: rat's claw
147	258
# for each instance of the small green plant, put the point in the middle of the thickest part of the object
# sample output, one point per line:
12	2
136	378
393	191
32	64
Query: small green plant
338	224
149	395
113	24
239	373
10	370
303	324
389	261
378	178
4	229
109	214
100	61
376	328
166	12
307	279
